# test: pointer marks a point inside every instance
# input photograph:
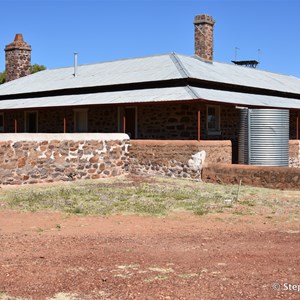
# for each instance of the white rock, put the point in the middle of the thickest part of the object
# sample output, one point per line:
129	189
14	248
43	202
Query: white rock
197	160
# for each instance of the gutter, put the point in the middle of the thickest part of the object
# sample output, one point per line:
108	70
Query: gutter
185	81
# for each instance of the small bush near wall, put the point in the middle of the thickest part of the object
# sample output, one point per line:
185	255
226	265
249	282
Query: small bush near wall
33	158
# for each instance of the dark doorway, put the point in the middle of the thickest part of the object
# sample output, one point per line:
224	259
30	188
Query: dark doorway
130	121
31	119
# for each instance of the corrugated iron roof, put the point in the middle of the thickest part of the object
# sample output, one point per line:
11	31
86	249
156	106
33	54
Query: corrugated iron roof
132	96
153	95
150	69
143	69
245	99
239	75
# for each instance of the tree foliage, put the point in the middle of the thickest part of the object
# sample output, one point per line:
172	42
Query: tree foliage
37	68
2	77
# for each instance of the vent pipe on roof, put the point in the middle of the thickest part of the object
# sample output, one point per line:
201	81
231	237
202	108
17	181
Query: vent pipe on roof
75	63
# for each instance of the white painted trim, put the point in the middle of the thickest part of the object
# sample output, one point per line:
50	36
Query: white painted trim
38	137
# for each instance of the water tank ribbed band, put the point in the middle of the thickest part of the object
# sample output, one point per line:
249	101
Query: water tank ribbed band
264	137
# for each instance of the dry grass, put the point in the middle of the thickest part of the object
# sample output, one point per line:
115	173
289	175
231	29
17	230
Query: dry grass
150	196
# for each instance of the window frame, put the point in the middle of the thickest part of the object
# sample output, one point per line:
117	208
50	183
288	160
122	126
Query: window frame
86	121
217	129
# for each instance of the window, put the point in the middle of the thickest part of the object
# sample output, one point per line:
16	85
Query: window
1	122
31	121
81	120
213	118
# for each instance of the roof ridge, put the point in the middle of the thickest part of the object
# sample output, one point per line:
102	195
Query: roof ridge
179	65
112	61
191	92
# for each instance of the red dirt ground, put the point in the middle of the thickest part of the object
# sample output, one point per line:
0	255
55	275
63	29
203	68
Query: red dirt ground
181	256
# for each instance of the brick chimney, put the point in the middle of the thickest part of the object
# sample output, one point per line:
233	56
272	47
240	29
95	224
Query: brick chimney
204	31
17	59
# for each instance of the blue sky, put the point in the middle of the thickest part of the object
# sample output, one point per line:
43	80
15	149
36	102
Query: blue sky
101	30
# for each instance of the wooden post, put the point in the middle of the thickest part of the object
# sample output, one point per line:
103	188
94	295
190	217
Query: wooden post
65	124
297	126
16	126
124	124
199	124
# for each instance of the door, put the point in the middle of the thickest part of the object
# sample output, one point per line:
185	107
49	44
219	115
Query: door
31	121
80	120
128	121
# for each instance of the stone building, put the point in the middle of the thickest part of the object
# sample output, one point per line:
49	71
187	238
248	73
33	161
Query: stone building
161	97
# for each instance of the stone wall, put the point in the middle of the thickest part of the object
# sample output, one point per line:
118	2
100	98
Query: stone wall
270	177
180	122
103	119
171	158
155	121
51	120
172	121
33	158
294	153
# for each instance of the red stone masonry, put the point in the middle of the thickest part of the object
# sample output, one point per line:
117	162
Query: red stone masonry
268	177
34	158
204	36
17	59
170	157
294	153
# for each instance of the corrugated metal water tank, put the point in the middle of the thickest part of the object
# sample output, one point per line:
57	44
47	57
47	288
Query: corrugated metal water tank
264	137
